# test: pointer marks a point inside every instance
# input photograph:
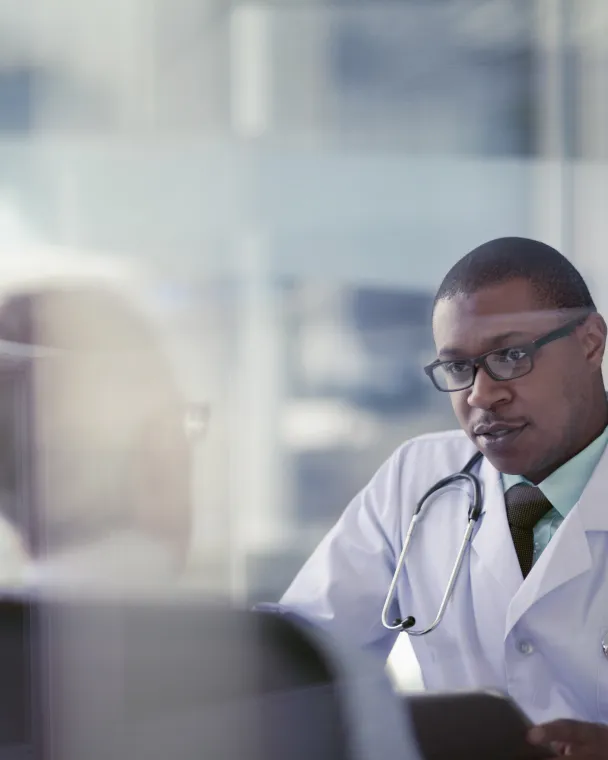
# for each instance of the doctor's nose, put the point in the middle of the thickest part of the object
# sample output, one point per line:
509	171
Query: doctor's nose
486	393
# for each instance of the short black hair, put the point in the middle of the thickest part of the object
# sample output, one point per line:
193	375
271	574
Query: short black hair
555	279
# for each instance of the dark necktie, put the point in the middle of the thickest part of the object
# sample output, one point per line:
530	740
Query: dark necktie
526	505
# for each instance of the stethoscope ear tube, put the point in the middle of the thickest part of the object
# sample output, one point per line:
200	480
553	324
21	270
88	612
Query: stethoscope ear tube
475	508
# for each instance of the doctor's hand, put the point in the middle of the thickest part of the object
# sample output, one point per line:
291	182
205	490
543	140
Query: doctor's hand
573	738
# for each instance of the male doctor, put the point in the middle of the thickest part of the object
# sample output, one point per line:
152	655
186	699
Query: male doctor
519	349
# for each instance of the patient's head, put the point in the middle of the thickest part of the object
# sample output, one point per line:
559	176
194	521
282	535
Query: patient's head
110	451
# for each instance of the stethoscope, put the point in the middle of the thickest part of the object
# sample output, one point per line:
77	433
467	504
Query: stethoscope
475	507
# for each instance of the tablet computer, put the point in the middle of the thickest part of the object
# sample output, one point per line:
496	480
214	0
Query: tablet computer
471	726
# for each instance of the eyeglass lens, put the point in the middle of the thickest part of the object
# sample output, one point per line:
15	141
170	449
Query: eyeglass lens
503	365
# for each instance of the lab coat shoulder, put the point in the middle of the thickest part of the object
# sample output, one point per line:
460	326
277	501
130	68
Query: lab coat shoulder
428	458
343	585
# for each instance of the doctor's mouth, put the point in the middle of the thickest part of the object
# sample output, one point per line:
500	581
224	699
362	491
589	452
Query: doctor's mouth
498	437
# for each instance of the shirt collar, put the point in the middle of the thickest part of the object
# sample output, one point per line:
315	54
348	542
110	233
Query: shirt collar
565	486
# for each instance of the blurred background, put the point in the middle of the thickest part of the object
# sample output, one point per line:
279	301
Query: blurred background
284	184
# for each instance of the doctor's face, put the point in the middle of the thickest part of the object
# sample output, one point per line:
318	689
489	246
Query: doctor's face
533	423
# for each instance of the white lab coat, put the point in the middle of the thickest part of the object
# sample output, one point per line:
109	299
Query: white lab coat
539	639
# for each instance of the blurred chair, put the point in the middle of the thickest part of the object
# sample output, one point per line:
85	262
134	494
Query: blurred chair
154	679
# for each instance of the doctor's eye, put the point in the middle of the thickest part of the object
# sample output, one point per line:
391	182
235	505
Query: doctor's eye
456	368
512	355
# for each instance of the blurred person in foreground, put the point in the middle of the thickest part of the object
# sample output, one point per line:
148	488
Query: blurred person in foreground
520	346
101	440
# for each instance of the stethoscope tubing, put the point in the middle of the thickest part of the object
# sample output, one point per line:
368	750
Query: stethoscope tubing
475	509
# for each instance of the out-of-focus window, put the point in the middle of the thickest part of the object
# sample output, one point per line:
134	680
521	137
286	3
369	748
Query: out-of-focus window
297	178
16	99
436	77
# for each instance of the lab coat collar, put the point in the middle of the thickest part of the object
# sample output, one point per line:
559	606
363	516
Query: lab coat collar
492	543
568	555
593	506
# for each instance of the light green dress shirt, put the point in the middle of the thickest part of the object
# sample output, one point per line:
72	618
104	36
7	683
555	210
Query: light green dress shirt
563	488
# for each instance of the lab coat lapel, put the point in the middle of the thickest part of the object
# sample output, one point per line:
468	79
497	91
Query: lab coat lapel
593	504
566	557
492	542
568	554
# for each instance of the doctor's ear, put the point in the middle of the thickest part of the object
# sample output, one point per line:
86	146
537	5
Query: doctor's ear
592	336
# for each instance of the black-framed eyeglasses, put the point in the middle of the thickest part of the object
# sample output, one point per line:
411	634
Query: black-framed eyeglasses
500	364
